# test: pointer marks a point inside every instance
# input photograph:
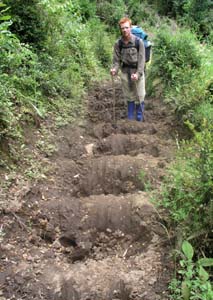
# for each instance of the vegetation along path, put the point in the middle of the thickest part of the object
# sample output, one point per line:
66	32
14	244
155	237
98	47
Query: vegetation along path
89	230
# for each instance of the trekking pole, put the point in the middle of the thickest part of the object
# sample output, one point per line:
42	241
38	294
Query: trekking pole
113	102
141	104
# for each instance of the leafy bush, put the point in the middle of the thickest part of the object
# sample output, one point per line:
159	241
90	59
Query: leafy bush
53	78
141	12
28	22
110	12
176	57
87	9
136	11
18	82
193	280
102	43
204	111
191	99
189	187
71	60
195	14
181	71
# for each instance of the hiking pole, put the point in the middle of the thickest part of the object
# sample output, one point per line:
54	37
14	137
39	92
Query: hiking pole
113	102
140	109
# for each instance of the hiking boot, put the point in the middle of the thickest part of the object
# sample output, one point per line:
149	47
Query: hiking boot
139	112
131	110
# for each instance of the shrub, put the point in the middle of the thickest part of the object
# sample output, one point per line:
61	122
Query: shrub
188	189
87	9
19	71
195	14
191	99
102	43
141	12
176	57
28	22
193	280
181	71
110	12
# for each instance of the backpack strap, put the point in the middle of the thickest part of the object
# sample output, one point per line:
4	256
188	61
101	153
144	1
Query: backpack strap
137	43
120	44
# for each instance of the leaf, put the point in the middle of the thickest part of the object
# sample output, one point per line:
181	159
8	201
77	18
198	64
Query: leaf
203	274
4	10
187	249
185	290
205	262
5	18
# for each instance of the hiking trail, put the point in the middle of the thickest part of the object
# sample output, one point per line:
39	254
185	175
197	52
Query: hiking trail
89	231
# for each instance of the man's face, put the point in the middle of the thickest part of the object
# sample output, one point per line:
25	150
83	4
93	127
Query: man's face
125	29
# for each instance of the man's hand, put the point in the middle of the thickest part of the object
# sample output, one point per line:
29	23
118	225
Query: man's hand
134	76
113	72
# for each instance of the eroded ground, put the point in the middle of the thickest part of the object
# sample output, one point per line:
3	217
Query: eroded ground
89	230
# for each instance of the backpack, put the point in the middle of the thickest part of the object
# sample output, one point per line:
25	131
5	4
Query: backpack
140	34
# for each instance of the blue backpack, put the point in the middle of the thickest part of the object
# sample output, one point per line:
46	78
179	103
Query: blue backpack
140	34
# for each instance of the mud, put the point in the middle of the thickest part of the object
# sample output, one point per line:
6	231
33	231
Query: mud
89	229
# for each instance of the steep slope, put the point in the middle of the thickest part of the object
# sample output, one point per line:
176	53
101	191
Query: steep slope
89	230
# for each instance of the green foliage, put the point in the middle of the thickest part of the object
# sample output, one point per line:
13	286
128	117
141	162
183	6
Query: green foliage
193	282
18	82
87	8
141	12
27	20
74	59
147	186
204	111
198	15
176	57
195	14
189	187
102	44
110	12
136	10
3	9
181	70
51	75
194	100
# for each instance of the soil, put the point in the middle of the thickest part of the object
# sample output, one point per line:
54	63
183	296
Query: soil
89	229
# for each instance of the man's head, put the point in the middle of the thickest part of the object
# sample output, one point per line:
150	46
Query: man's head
125	27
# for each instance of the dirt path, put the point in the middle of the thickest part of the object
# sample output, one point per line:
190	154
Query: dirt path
89	230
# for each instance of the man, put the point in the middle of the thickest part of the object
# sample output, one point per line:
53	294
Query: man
131	61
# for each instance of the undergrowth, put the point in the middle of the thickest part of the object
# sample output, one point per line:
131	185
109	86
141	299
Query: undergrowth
47	76
52	51
192	280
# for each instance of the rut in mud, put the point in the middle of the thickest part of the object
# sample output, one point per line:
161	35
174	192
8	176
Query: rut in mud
89	230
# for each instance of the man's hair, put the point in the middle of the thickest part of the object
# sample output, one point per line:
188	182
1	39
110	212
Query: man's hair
124	20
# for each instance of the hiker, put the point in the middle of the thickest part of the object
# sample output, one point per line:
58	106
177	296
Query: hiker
131	62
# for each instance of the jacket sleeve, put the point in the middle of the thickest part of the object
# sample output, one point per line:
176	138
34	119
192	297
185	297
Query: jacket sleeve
141	58
116	57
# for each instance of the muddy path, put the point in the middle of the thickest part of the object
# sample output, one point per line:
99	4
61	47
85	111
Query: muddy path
89	230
